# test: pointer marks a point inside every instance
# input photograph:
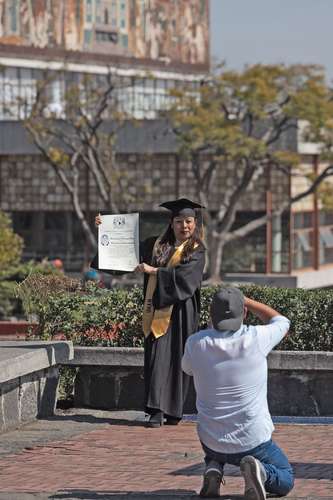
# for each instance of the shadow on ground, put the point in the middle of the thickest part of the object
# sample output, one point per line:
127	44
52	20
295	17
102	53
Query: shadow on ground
121	495
302	470
115	495
91	419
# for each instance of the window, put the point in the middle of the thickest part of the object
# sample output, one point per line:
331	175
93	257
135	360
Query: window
304	241
107	36
55	95
12	16
143	18
326	245
27	92
123	15
106	16
98	12
124	41
17	92
326	236
87	37
23	223
326	218
89	11
114	14
303	249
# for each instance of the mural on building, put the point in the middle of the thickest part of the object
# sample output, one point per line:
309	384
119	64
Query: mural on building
171	30
41	23
166	30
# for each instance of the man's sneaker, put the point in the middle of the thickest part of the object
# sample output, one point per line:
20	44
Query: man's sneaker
213	477
255	477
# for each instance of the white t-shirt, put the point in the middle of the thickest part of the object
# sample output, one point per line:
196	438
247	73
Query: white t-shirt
230	378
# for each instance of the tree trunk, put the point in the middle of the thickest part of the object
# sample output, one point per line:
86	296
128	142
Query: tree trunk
89	234
215	250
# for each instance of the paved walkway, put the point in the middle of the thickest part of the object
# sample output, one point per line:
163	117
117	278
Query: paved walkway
89	454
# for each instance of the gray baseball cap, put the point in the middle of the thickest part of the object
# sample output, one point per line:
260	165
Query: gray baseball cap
227	309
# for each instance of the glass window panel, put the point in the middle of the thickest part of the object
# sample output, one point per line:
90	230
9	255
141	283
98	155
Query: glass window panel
149	84
106	16
171	84
89	11
55	95
55	220
307	222
11	93
125	41
160	84
297	220
12	16
87	36
326	236
326	218
98	9
304	242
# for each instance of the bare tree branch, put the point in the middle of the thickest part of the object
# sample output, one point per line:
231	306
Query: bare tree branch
77	140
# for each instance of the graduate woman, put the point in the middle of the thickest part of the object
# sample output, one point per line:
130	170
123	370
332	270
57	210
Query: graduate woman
173	265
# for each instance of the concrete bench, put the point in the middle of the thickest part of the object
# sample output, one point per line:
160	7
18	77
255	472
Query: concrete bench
29	375
299	382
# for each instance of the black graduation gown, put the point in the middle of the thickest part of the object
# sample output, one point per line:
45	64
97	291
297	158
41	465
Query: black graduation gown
166	385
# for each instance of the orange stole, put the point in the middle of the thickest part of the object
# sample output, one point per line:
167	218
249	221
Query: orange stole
157	321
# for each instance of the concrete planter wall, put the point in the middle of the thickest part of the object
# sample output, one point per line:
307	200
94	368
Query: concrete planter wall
300	383
29	378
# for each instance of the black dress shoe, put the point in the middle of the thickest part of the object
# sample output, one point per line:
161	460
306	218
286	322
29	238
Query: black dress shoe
169	420
155	419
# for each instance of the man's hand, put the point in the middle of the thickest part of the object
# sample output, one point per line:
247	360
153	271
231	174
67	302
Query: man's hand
262	311
98	220
146	268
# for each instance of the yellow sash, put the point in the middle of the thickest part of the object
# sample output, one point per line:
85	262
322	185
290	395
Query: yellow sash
157	321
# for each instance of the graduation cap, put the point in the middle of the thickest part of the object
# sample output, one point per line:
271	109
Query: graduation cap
182	207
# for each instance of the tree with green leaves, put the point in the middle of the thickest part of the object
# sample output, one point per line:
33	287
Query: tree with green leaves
11	245
239	118
74	140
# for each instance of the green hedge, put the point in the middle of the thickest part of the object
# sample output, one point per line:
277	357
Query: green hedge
93	316
10	304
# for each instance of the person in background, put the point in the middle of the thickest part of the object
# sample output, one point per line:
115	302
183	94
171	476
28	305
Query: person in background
172	265
58	265
91	275
229	366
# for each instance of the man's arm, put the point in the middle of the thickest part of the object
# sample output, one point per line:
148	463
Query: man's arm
186	360
275	325
260	310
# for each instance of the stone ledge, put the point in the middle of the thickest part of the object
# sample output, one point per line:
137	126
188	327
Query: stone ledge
29	376
301	360
107	356
299	383
126	356
22	358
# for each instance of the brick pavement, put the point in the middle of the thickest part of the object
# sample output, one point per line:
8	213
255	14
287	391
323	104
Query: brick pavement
120	456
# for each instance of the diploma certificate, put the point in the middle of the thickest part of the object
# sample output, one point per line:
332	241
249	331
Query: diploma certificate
118	242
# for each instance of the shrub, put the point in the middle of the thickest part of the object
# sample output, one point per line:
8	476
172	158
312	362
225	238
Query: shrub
10	304
310	313
88	315
95	316
11	244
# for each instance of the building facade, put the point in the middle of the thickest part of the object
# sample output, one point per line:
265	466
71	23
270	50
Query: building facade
149	47
166	30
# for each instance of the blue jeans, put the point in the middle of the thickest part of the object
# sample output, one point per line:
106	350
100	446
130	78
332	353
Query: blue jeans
280	475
